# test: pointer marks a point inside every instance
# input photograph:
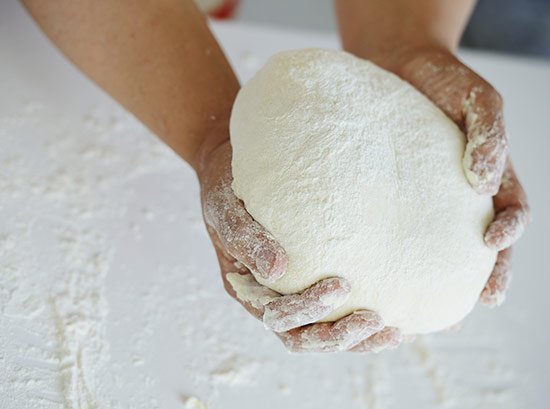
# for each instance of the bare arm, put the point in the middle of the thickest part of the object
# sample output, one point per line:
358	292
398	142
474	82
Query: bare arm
381	30
157	58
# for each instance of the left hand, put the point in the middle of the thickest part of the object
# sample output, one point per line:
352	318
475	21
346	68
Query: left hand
476	107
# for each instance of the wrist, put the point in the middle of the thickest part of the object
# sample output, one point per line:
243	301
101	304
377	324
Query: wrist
213	137
386	32
391	54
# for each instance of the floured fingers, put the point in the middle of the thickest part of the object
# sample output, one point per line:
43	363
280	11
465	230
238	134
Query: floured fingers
487	146
495	289
388	338
243	237
295	310
284	312
512	212
333	336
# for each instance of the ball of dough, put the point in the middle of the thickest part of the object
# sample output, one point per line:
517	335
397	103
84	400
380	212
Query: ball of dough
358	175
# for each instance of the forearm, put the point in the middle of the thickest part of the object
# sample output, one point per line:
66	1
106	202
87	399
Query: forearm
381	29
157	58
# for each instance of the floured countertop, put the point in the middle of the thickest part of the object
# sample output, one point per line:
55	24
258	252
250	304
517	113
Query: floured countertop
109	288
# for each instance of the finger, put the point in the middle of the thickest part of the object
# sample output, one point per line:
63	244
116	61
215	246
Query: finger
250	293
455	327
241	235
388	338
473	104
227	262
512	212
507	227
235	286
487	146
332	337
295	310
495	289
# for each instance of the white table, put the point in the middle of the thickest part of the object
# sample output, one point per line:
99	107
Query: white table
89	200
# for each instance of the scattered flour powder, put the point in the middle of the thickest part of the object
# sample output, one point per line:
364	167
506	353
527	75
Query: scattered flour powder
66	194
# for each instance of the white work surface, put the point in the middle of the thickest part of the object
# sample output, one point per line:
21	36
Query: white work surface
110	295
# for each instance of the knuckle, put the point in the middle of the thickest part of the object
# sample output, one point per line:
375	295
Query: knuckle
489	95
288	343
333	285
526	210
342	284
495	98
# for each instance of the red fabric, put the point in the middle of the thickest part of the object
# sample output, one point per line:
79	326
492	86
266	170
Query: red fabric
225	11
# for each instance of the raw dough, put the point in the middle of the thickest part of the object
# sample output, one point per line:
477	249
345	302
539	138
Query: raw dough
358	175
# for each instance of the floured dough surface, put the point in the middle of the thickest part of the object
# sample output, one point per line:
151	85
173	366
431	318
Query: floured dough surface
358	175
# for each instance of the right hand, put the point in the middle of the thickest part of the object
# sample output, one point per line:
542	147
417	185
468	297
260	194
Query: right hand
246	250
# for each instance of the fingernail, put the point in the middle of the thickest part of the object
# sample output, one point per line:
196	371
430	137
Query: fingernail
483	163
484	182
493	300
389	338
292	311
498	240
270	265
505	229
344	284
370	320
362	325
336	292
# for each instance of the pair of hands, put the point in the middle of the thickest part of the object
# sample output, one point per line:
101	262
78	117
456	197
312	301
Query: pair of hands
158	39
245	250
